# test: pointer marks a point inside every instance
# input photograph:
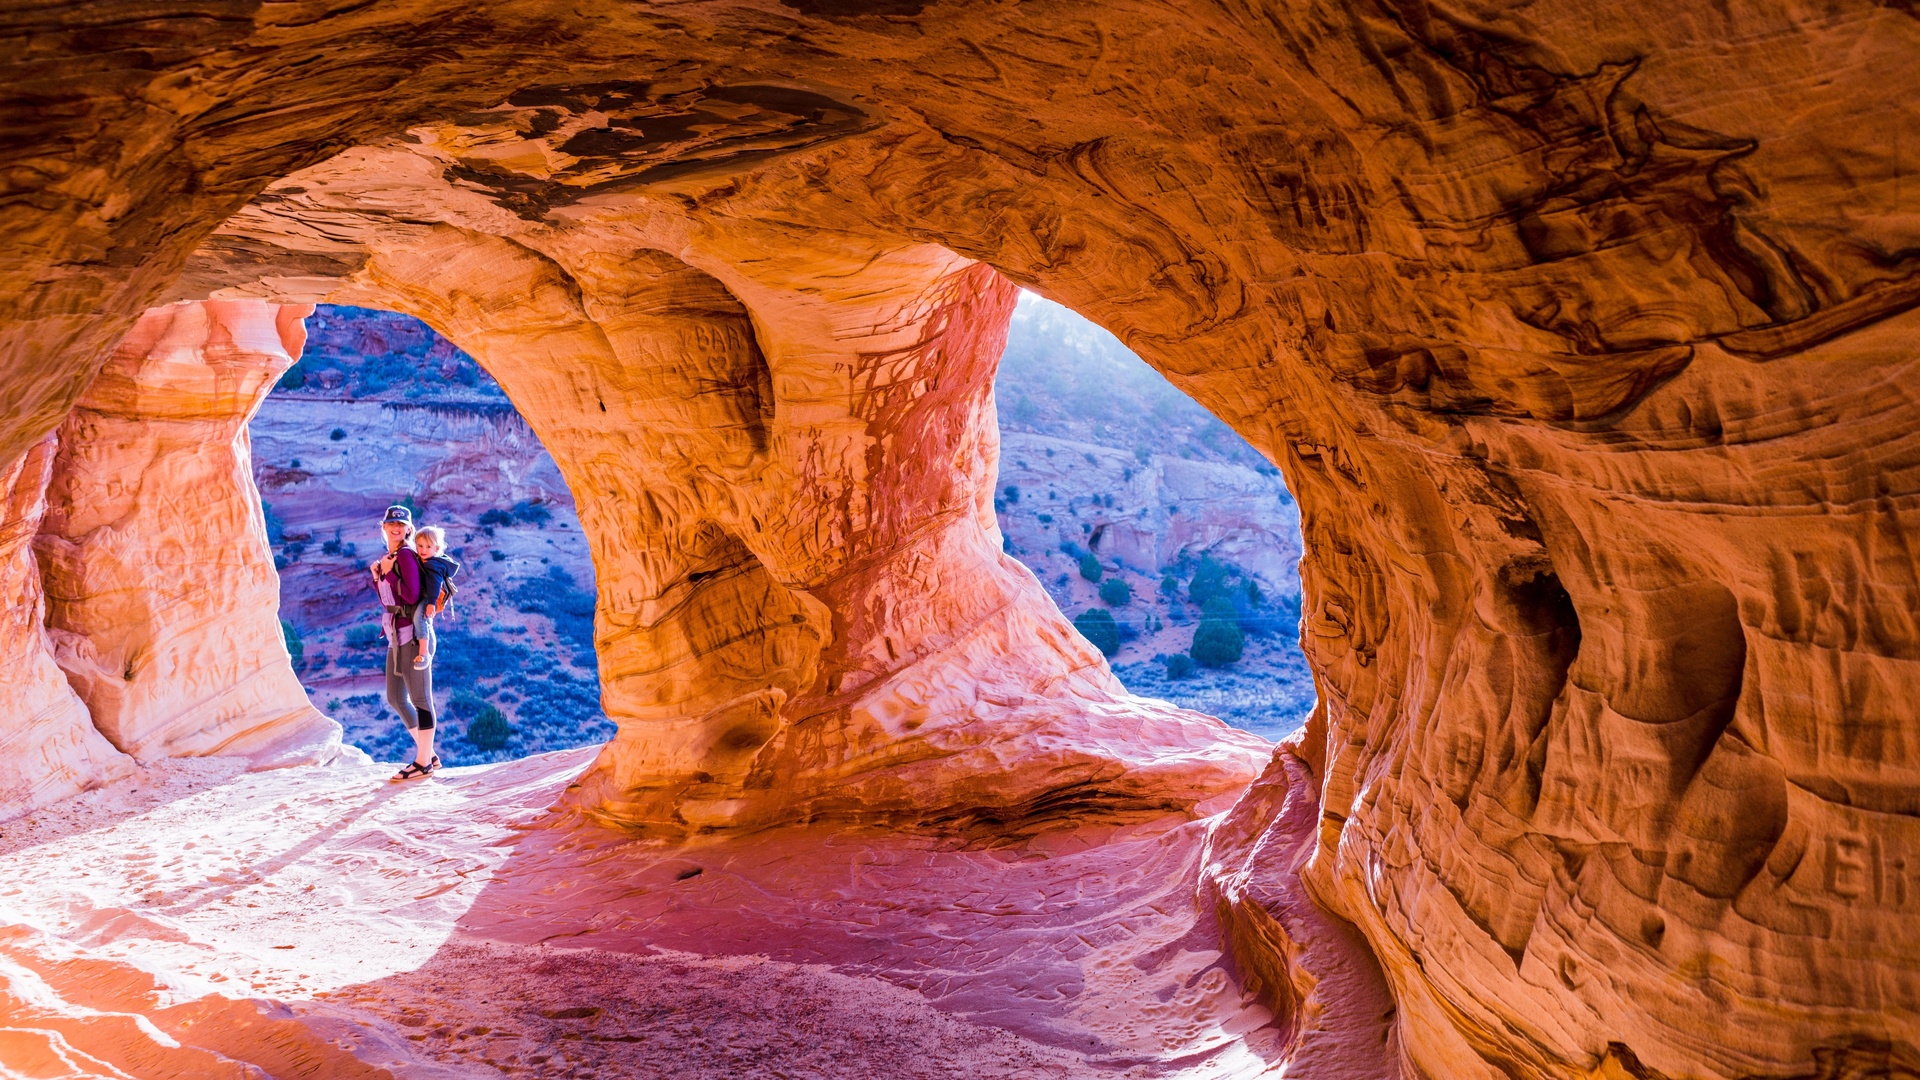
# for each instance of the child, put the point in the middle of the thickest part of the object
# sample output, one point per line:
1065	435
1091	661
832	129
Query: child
436	588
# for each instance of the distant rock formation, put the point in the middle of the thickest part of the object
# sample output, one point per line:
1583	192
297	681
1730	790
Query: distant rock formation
1580	331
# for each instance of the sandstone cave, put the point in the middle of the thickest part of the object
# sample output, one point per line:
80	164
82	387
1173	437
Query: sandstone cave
1578	331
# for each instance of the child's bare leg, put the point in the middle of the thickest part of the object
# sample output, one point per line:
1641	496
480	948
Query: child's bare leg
423	633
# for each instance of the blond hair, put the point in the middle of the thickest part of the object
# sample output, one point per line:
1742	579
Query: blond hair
439	536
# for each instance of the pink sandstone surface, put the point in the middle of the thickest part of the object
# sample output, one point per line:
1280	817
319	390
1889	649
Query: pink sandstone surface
161	600
1580	331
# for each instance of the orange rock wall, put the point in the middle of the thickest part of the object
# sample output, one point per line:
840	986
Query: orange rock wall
1579	330
162	601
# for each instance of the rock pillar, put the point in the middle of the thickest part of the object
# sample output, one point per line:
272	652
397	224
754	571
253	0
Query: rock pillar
48	747
162	600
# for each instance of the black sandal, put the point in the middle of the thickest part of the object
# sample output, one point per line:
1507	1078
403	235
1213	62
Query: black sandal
415	769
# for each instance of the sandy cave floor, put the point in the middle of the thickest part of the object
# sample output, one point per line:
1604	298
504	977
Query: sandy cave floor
456	927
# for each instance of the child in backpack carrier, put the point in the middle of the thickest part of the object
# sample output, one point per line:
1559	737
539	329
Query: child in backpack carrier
437	571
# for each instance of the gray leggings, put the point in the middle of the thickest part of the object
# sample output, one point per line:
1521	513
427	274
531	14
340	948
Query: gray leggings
404	681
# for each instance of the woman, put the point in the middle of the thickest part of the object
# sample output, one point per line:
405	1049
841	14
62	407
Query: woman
396	577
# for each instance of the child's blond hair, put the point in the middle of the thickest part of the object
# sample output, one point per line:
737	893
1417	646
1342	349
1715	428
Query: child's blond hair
439	536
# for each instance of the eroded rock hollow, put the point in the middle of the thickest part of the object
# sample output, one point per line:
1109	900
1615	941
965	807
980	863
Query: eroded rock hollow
1580	331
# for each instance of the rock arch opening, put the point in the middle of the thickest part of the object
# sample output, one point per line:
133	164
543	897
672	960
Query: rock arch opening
380	409
1170	541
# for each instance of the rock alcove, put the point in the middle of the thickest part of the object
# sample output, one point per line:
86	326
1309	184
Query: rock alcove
1578	331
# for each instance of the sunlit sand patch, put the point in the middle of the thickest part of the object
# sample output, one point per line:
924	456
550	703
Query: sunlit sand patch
460	921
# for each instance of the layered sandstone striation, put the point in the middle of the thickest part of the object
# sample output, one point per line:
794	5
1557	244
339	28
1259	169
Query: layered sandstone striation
49	748
1580	332
162	599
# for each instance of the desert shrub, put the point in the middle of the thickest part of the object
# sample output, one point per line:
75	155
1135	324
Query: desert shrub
1013	494
276	529
296	648
496	516
532	513
1090	567
295	377
489	730
464	705
364	636
337	434
1289	616
497	555
1046	519
559	598
1218	640
1098	627
1115	592
1179	666
1208	579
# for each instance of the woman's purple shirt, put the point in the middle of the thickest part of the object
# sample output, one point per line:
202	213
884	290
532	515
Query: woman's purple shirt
405	576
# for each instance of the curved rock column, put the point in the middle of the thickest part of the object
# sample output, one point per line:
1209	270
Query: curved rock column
162	597
48	746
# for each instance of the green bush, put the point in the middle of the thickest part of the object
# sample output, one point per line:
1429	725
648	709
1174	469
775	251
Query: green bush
465	705
1179	666
1013	494
276	530
1115	592
1207	580
532	513
1090	567
489	730
1098	627
296	648
1218	640
365	636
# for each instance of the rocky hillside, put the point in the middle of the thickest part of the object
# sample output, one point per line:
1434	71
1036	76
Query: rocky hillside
1108	473
1115	489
